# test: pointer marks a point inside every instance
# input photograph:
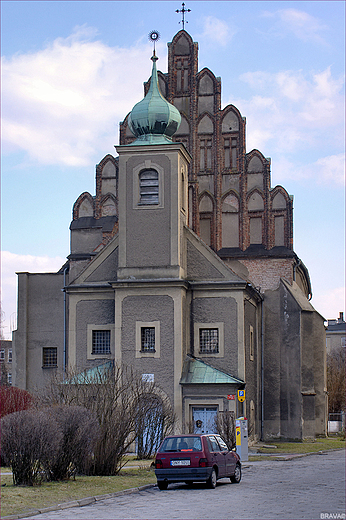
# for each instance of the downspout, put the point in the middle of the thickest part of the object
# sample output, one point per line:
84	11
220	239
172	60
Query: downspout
262	371
192	332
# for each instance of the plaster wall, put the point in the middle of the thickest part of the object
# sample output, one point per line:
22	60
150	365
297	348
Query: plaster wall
150	222
252	360
91	312
218	309
150	308
40	324
314	375
85	240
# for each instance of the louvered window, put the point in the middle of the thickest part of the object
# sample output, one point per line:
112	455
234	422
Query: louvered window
149	187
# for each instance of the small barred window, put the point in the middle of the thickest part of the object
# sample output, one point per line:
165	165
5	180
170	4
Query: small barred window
209	341
101	342
50	357
148	339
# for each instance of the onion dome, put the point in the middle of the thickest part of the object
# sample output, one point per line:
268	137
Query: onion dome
153	120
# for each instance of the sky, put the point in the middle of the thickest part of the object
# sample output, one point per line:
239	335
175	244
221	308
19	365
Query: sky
72	70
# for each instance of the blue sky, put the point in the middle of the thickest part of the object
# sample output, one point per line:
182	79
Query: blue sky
71	71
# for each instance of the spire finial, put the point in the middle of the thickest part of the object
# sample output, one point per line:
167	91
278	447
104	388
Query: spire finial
183	11
154	36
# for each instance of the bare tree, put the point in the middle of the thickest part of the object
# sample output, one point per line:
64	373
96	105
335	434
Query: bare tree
2	320
116	395
225	426
336	380
30	440
156	420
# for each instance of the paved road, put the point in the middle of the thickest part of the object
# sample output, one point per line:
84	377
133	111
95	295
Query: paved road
298	489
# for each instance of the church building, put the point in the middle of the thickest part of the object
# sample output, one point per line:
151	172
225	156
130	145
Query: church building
182	266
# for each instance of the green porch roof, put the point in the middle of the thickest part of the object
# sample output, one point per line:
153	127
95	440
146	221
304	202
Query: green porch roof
196	371
90	375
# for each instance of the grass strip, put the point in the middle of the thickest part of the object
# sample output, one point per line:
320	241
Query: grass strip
306	446
17	500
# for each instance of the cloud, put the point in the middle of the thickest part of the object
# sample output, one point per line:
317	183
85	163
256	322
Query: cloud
302	25
11	264
62	103
217	30
329	170
294	112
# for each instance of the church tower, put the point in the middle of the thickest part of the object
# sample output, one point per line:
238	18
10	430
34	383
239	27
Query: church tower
153	178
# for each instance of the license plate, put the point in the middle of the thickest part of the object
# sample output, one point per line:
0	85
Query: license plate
180	462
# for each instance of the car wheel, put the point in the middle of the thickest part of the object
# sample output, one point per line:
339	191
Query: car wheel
162	485
211	482
236	478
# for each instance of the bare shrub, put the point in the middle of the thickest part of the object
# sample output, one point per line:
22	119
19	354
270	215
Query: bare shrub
225	426
113	393
30	440
80	431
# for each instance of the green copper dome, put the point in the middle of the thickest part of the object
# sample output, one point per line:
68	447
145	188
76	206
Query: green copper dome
153	120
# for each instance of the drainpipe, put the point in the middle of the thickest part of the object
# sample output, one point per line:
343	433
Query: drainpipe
262	371
192	332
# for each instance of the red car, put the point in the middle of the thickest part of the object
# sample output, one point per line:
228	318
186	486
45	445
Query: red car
195	458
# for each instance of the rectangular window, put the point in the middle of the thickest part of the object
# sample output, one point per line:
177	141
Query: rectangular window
227	153
2	354
9	378
205	161
10	355
234	153
147	339
50	357
101	342
209	143
208	341
201	158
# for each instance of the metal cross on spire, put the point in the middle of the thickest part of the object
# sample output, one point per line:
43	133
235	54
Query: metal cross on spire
183	11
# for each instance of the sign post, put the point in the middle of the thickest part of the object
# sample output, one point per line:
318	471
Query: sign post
241	436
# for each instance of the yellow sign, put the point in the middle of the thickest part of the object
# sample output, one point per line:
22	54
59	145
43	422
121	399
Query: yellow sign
237	436
241	395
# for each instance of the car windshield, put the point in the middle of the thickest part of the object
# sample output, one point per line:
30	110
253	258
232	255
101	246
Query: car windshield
182	444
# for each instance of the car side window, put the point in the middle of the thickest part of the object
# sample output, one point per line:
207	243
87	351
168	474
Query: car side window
213	444
222	443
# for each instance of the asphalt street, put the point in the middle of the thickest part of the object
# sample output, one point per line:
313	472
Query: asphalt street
311	487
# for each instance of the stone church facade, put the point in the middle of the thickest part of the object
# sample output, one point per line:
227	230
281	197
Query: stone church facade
182	265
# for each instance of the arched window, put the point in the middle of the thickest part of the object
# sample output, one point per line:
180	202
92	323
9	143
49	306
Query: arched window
149	187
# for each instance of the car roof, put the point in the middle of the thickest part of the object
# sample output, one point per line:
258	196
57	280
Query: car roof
189	435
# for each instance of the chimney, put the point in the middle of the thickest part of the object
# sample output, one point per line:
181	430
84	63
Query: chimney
341	317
